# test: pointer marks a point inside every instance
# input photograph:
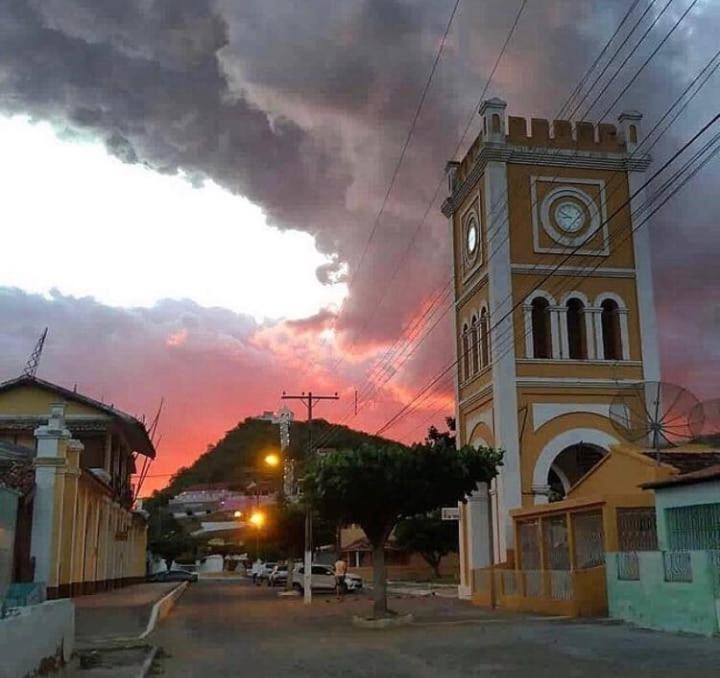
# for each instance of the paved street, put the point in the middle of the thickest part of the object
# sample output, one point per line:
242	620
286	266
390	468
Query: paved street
232	629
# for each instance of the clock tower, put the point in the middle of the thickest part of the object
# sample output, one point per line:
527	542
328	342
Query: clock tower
554	307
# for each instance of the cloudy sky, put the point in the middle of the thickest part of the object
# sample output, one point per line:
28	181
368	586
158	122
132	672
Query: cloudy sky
188	187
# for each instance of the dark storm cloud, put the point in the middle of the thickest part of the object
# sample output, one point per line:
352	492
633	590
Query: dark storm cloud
145	77
303	107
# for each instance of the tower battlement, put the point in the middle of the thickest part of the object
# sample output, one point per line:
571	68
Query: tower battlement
585	137
581	135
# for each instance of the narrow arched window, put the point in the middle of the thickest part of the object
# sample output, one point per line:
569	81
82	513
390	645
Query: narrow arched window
633	134
576	329
465	357
610	319
484	339
474	345
541	335
495	123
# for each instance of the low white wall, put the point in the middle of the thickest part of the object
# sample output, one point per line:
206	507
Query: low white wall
41	637
212	563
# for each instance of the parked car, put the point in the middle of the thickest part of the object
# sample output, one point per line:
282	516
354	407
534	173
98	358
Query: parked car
176	574
323	579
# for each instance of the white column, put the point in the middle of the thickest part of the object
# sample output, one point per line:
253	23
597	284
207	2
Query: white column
541	493
47	506
624	334
644	285
505	410
597	329
590	334
527	315
464	589
457	377
561	316
556	318
478	538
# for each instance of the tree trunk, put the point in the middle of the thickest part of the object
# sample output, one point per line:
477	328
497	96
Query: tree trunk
379	584
289	580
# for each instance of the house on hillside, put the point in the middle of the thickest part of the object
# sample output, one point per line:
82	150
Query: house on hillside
68	459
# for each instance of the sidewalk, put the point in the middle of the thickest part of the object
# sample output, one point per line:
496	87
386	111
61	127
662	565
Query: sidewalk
121	614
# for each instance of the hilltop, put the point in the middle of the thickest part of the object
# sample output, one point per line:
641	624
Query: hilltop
244	447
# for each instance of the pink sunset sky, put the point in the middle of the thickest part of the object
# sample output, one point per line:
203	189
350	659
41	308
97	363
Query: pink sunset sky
189	186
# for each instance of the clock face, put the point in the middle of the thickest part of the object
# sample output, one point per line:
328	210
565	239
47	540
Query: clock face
472	237
570	216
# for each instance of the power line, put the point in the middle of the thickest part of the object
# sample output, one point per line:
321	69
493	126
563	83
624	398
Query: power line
494	208
537	285
493	212
405	145
503	199
457	149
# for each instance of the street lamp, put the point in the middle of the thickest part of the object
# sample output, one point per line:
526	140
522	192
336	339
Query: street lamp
272	459
257	518
237	514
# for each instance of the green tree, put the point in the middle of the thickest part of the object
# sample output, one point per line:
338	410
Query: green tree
171	541
428	535
377	485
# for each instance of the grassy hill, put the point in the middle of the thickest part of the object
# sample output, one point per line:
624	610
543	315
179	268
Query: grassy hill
244	447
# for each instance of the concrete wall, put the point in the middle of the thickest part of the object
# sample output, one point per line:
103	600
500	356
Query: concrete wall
39	639
8	518
653	603
682	495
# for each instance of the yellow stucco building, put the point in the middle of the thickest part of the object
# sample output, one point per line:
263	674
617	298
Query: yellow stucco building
83	535
554	310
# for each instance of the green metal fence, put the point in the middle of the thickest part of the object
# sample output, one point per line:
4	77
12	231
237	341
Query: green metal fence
693	528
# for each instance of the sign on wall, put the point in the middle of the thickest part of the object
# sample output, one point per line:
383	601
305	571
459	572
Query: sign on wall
450	513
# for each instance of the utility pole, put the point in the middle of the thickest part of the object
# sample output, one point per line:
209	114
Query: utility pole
308	399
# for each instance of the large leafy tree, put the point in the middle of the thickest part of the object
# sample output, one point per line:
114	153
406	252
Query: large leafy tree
377	485
171	541
428	535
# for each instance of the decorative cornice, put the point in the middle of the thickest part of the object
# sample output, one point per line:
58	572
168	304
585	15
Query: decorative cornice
600	272
477	285
528	155
479	395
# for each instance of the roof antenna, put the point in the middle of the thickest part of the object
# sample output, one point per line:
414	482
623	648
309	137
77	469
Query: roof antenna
31	366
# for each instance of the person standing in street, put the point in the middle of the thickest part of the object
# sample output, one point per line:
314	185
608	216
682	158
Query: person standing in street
256	569
340	572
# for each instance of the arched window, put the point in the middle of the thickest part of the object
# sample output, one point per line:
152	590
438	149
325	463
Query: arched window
465	357
495	123
541	334
633	134
484	339
577	344
611	336
474	345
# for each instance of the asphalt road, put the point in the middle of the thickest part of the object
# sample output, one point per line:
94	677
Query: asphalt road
234	629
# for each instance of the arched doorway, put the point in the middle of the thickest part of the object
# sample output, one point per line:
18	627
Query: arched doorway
566	459
570	465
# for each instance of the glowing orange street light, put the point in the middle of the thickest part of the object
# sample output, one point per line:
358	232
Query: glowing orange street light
272	459
257	518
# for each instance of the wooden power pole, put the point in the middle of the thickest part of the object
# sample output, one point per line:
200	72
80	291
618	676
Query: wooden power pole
308	399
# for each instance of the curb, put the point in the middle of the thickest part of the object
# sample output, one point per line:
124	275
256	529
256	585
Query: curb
147	664
162	608
383	623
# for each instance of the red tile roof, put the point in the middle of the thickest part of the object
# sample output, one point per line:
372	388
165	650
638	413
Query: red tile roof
704	475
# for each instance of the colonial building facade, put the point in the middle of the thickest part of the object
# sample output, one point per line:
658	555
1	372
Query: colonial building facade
76	530
554	310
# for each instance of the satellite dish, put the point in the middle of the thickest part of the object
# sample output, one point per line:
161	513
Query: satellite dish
656	413
708	412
